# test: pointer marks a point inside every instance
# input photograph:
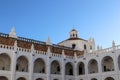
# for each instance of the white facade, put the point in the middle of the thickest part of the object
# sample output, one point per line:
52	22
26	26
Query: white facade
26	59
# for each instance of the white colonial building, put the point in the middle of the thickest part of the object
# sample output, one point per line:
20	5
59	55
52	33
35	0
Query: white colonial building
72	59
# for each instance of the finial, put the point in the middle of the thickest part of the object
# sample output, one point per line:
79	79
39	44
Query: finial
98	47
12	33
113	43
48	50
91	39
32	47
73	26
48	42
15	45
75	55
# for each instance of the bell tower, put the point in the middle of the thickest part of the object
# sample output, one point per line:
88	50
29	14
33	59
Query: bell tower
73	33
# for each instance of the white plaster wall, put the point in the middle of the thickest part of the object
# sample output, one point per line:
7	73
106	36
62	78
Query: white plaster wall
85	59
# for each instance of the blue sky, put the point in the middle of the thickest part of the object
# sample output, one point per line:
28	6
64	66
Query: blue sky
39	19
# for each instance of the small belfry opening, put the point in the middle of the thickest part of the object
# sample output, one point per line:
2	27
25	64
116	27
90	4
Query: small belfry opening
22	64
55	67
5	62
92	66
107	64
39	66
68	69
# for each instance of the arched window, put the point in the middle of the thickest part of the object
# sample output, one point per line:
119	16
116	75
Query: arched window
85	47
119	62
107	64
93	79
68	69
81	68
39	66
22	64
5	62
73	35
3	78
73	46
55	67
90	47
92	66
39	79
21	78
109	78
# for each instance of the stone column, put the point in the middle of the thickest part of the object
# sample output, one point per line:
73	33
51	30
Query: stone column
31	64
63	66
48	63
13	62
75	65
86	68
100	67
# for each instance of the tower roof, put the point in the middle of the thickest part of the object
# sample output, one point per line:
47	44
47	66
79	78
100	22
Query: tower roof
73	29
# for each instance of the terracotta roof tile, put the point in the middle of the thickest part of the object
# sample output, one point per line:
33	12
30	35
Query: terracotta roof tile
7	41
24	44
40	47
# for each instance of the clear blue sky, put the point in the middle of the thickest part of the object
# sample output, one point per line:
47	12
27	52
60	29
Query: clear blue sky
39	19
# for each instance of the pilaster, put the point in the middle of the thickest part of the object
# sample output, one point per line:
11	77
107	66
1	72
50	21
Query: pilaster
75	65
31	63
48	63
13	62
63	65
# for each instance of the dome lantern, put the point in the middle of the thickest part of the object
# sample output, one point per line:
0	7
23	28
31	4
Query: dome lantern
73	33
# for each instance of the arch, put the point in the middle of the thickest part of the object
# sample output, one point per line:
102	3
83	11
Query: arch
55	79
39	79
22	64
109	78
55	67
68	69
107	64
5	62
92	66
119	62
3	78
81	68
93	79
39	66
21	78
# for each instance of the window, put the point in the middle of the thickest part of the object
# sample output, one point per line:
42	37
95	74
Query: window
76	35
90	47
73	46
85	47
73	35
